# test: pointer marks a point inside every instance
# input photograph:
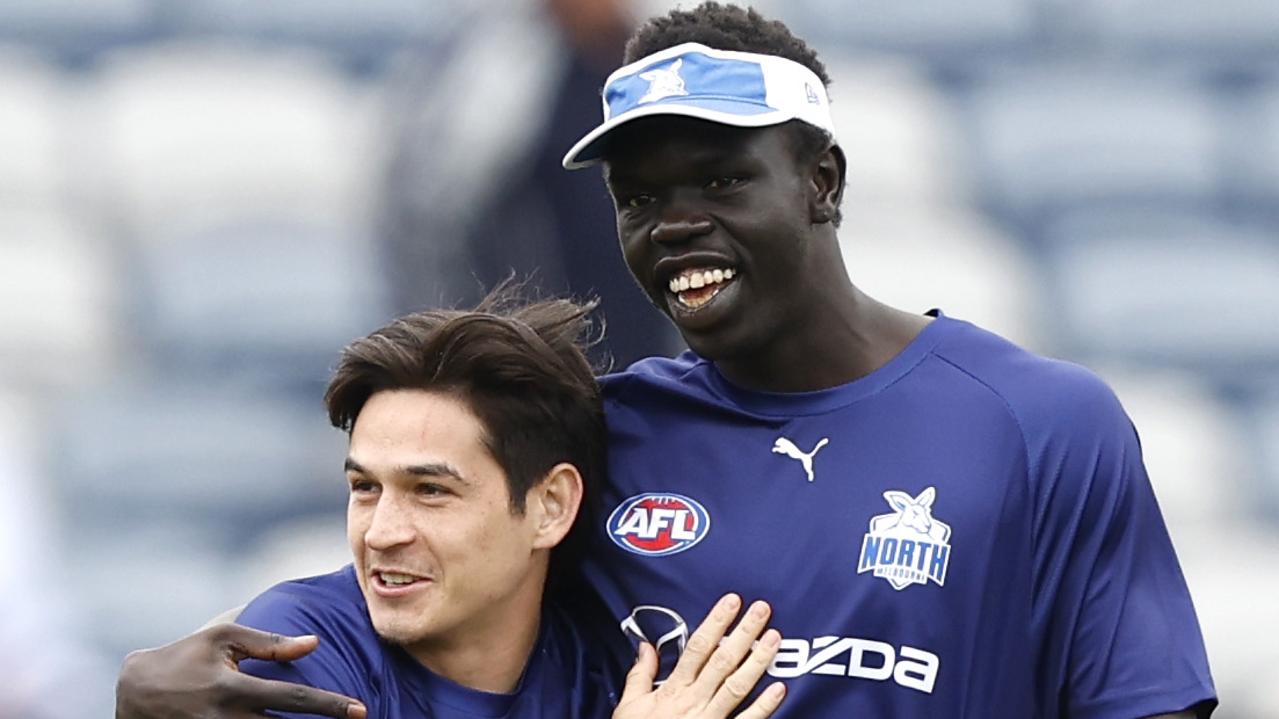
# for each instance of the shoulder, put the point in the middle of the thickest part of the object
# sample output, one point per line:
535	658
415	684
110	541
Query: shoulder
1049	398
348	659
670	372
310	603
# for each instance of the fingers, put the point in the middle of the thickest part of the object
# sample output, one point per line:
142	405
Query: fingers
260	694
766	703
728	656
639	680
704	641
243	642
739	684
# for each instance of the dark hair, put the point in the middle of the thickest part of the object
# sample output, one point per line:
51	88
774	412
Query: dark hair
729	27
520	367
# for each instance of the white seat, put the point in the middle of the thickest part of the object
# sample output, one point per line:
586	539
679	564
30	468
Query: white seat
273	300
1077	136
1192	444
33	108
897	132
42	649
1174	289
917	257
150	584
304	547
59	295
192	134
1233	581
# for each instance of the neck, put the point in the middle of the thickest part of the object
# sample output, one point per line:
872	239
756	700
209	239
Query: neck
491	650
853	336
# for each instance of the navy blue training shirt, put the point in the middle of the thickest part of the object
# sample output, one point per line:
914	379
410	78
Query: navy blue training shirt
968	531
561	680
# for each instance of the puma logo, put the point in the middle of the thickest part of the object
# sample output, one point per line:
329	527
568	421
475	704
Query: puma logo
788	448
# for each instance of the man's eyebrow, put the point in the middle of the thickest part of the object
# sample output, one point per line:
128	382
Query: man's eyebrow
429	469
434	469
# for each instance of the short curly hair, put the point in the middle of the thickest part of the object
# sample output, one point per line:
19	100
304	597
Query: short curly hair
724	27
730	27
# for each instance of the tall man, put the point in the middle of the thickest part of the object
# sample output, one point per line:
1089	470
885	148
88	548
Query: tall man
946	525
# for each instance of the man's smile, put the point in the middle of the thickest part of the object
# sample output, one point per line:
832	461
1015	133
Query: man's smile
696	286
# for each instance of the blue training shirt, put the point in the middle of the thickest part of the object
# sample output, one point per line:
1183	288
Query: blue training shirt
966	532
561	680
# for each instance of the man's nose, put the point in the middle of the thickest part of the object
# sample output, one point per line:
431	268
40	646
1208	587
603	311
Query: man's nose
390	526
681	220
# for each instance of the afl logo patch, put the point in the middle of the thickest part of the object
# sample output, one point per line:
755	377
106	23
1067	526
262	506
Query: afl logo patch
658	524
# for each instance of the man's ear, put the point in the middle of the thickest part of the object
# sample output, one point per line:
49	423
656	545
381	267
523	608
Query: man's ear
553	504
827	180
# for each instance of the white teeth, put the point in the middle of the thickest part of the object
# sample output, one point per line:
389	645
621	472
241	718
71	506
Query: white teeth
398	579
696	279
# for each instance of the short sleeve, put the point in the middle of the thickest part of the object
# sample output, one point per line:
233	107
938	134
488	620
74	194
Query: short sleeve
337	664
1120	634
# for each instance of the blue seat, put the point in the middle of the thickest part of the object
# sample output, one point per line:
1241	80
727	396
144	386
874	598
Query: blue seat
373	27
1177	29
265	299
75	28
1253	150
1046	141
219	457
938	28
149	584
1176	289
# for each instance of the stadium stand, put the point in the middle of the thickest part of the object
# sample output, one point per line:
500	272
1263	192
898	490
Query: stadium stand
192	196
957	262
266	299
189	132
898	131
1166	289
59	299
1044	140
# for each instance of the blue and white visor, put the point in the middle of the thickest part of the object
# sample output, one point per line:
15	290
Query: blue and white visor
743	89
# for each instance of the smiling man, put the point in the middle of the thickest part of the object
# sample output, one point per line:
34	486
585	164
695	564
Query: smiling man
475	438
945	524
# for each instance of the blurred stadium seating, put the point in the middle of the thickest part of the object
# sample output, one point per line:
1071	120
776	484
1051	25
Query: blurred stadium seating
190	229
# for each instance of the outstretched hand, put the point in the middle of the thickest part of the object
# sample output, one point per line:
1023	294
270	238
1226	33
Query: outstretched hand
712	676
198	677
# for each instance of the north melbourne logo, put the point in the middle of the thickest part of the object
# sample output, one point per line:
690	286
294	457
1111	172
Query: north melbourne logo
788	448
907	546
663	82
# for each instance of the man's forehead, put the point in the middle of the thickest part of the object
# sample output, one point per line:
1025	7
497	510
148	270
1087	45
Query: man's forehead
647	135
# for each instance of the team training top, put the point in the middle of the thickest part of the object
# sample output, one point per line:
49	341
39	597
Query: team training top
559	682
966	532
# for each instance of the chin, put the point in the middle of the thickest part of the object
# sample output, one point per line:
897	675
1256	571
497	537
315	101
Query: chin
400	630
